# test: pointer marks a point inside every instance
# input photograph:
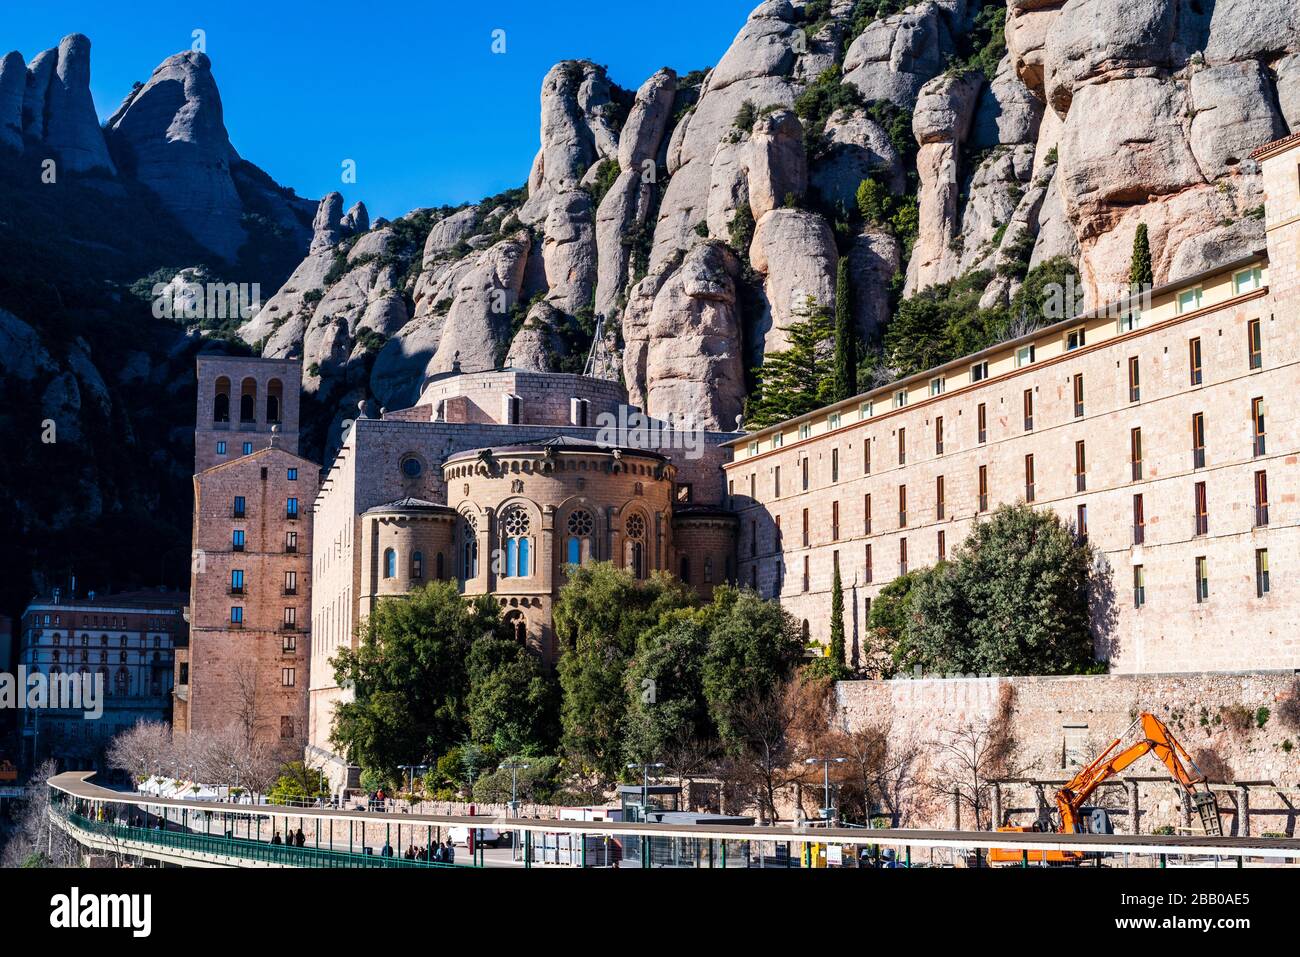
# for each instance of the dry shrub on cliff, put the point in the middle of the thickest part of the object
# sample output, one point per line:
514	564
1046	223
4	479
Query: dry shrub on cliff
1213	766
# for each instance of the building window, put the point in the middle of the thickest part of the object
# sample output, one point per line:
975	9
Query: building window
248	448
288	677
938	435
753	448
1029	410
835	521
938	498
1080	467
900	398
1139	586
1257	411
221	448
708	570
1202	580
1194	359
239	510
866	514
293	475
1261	572
1081	521
1029	478
936	386
902	446
291	508
1130	320
580	526
286	727
866	455
1198	440
805	528
417	565
1202	510
983	503
1135	452
776	481
1075	339
832	421
236	615
981	423
1134	380
683	570
835	465
237	581
1024	356
942	547
237	540
515	529
866	572
778	439
803	466
805	573
753	537
290	622
1078	395
390	563
1189	300
864	410
805	430
979	372
1248	280
902	506
902	556
1255	344
1261	499
291	542
1139	521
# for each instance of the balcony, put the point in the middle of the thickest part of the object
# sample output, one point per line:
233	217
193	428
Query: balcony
290	589
236	590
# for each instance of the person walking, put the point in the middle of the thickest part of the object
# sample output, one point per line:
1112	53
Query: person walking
275	838
300	839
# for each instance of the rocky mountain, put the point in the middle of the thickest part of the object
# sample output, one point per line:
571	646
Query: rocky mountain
702	216
954	151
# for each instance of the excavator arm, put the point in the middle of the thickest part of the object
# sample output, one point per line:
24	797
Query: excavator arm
1156	739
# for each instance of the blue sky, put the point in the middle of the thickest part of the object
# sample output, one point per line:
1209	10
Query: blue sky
409	90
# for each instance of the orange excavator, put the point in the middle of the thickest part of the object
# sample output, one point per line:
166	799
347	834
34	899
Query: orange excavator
1156	739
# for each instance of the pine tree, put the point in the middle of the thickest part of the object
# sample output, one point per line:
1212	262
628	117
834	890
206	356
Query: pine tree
1139	273
796	380
837	620
846	338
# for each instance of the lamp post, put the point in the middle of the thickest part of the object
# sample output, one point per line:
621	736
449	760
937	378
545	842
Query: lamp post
827	810
514	767
645	769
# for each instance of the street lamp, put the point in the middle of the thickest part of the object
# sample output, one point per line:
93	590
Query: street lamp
514	767
827	810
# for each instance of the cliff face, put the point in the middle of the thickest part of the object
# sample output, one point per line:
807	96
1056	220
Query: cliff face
1040	130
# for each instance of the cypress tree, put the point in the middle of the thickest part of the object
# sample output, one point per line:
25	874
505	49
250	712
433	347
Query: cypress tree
837	624
1139	273
846	339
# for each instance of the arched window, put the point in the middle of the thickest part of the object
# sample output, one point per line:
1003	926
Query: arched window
438	565
518	627
274	397
515	542
684	573
469	549
577	547
221	401
390	563
636	545
417	564
248	401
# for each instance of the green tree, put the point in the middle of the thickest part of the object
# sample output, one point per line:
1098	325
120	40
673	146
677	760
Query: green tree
409	677
832	665
665	687
846	335
600	613
887	651
1139	272
1013	601
512	705
874	202
298	782
798	379
753	646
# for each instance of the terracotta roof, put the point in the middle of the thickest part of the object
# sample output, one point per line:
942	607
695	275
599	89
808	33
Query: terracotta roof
1274	146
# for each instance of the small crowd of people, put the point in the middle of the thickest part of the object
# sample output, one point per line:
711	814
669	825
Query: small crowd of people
435	853
292	838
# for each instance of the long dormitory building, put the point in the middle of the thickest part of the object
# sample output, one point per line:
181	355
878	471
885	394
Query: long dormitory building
1164	430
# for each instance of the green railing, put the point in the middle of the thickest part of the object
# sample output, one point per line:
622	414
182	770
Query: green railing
244	850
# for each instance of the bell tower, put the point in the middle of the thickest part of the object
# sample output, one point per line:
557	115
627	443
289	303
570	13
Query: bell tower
240	400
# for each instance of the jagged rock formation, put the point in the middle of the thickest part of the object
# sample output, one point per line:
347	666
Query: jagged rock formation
58	112
13	83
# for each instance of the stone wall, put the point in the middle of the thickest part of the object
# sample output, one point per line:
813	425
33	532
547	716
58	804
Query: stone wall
1060	723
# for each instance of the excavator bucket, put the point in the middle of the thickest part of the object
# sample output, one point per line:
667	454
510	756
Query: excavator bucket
1207	806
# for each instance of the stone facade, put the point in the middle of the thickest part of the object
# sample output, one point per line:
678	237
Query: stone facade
248	658
1059	724
240	400
1196	519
